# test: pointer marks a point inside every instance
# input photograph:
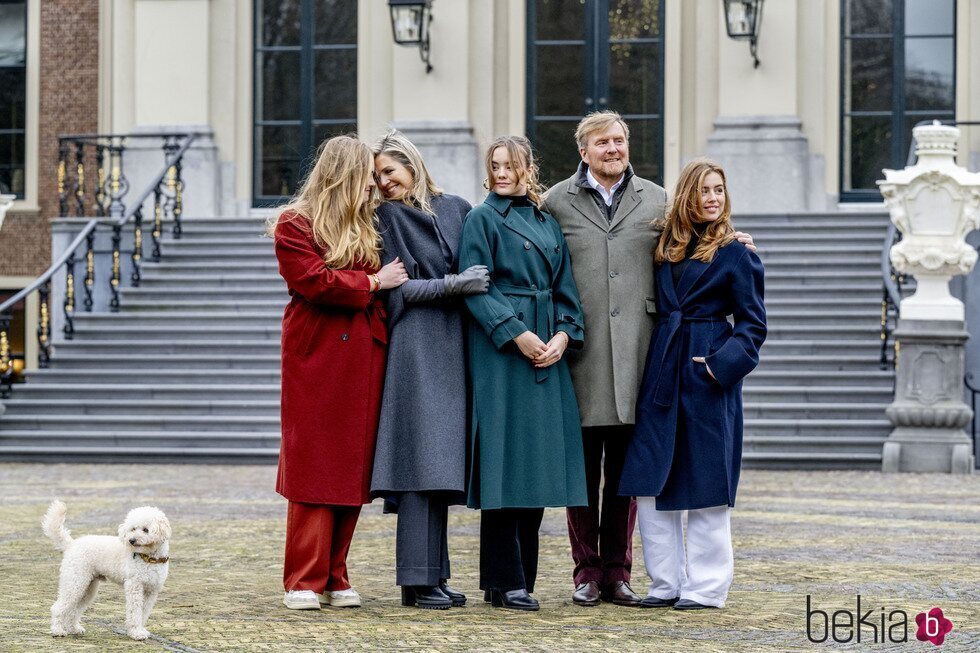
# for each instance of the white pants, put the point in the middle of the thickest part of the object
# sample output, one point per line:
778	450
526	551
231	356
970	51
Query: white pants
704	572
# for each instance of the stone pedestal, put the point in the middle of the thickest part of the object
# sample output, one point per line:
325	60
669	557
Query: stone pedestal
766	161
201	173
928	412
451	154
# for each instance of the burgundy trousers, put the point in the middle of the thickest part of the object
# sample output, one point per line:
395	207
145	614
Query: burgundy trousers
602	535
317	542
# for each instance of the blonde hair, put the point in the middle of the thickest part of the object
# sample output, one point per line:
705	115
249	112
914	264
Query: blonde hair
402	150
521	160
685	211
595	122
332	200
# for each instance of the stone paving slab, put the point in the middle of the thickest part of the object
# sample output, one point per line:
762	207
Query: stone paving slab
906	542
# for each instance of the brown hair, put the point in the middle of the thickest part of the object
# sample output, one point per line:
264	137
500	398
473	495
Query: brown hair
598	121
521	160
332	200
685	211
402	150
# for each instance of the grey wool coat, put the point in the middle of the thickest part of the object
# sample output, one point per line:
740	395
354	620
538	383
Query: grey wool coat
422	434
612	263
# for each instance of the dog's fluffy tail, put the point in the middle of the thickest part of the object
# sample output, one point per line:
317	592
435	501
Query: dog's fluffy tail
54	525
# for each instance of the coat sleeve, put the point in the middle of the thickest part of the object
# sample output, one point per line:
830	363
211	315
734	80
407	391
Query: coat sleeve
740	353
568	306
492	311
306	274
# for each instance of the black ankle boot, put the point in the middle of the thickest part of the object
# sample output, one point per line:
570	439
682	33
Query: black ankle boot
514	600
487	596
427	598
458	598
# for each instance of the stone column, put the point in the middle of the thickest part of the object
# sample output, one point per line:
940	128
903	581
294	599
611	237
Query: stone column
934	203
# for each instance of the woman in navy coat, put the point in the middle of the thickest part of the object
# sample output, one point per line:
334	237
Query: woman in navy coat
687	447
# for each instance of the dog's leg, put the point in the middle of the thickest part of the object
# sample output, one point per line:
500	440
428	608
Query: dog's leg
66	611
149	601
83	605
133	589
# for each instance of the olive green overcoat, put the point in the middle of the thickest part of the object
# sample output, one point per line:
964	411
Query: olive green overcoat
525	435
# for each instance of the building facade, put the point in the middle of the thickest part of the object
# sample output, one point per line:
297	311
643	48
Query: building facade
839	85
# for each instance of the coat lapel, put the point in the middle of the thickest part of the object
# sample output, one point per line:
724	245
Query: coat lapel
516	223
631	199
584	204
690	276
667	285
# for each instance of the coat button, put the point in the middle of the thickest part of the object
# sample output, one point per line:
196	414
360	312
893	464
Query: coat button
540	218
520	316
612	275
527	244
534	287
615	313
557	249
609	237
344	336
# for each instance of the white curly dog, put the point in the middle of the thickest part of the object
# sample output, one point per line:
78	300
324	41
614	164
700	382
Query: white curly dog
138	559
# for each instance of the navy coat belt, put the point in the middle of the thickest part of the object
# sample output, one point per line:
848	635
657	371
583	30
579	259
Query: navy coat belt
544	316
670	362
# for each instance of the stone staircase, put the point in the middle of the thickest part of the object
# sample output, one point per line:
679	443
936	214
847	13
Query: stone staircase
818	397
188	369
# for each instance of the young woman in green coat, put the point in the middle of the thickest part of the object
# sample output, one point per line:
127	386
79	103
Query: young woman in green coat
525	435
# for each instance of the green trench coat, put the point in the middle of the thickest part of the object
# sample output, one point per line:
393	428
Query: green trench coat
525	433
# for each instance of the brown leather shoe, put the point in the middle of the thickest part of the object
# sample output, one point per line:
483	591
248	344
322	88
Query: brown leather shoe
620	593
586	594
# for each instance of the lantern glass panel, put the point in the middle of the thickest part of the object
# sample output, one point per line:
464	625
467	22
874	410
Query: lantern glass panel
408	23
741	18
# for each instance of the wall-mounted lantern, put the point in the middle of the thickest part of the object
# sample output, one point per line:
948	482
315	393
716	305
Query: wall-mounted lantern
742	20
410	25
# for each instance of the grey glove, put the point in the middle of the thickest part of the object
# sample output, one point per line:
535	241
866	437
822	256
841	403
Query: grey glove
474	280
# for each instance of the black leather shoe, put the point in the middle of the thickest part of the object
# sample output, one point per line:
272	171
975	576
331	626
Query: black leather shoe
688	604
458	598
427	598
654	602
514	600
620	593
586	594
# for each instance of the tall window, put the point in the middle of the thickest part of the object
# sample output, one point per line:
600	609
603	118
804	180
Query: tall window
305	88
588	55
898	68
13	91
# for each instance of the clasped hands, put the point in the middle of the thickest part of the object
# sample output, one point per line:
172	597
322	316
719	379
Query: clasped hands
542	354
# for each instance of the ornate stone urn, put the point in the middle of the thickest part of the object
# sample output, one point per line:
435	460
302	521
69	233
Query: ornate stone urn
935	204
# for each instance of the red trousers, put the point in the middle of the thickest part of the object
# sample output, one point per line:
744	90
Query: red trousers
317	541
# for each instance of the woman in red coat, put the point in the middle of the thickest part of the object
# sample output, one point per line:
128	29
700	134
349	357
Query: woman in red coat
333	355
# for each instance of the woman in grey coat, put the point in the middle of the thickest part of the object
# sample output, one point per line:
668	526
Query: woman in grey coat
420	460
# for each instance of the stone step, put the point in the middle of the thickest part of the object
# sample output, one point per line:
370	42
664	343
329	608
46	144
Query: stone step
814	410
169	281
807	377
143	422
204	347
147	387
842	226
770	360
805	299
256	244
794	261
240	256
827	428
216	302
143	454
209	268
823	347
243	405
828	460
80	377
844	394
161	440
791	236
825	328
142	362
824	277
179	319
812	444
268	330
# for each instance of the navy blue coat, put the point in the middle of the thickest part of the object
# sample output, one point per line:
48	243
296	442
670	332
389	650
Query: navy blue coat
687	446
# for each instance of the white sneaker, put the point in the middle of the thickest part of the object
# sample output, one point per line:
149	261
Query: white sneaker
301	600
348	598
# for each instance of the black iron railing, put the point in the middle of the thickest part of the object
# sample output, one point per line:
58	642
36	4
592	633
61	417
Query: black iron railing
109	200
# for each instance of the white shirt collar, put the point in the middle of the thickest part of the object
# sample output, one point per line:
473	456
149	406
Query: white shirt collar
607	196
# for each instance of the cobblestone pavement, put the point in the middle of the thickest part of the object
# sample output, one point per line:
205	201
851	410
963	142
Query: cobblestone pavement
906	542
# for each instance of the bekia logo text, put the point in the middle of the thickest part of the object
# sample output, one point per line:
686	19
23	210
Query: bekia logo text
873	626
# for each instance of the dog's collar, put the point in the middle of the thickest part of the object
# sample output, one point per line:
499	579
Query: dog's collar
150	559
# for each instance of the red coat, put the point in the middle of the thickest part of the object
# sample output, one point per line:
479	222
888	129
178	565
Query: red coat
334	341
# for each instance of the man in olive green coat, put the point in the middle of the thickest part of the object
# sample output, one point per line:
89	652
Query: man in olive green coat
606	214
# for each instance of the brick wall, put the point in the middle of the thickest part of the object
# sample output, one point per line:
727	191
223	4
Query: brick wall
69	104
